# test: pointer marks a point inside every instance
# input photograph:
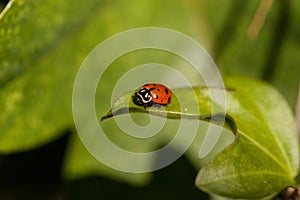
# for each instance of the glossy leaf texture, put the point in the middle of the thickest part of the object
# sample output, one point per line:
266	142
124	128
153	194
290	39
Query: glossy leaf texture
264	158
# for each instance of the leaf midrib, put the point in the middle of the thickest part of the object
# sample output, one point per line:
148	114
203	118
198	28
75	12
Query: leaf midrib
263	120
288	166
266	151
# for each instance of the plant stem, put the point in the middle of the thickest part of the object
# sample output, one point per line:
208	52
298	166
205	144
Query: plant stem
259	18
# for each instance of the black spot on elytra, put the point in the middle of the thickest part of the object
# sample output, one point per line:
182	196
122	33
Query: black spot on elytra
146	84
151	89
166	91
158	90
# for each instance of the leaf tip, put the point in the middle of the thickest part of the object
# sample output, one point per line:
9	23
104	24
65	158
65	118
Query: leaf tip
106	116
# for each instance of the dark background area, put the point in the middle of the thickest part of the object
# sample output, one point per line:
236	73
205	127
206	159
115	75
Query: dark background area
36	174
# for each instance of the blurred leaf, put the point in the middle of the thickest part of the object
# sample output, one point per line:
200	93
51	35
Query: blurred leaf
287	75
42	46
80	163
38	63
265	158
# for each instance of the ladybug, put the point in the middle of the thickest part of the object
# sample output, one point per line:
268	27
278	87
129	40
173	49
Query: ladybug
152	94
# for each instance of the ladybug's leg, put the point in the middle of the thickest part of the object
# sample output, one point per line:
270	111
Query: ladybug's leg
149	104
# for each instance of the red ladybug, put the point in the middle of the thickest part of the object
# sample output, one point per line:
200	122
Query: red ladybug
152	93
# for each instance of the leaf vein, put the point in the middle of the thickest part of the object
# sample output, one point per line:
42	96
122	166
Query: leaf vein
266	151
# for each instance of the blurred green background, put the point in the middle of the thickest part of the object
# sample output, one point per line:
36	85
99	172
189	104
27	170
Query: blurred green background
43	43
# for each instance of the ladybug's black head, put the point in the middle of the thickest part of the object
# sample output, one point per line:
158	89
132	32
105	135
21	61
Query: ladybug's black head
143	98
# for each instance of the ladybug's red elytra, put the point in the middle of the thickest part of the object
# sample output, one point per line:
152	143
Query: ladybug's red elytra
152	93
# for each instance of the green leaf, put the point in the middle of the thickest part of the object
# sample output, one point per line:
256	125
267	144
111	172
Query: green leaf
196	104
90	166
38	65
264	159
